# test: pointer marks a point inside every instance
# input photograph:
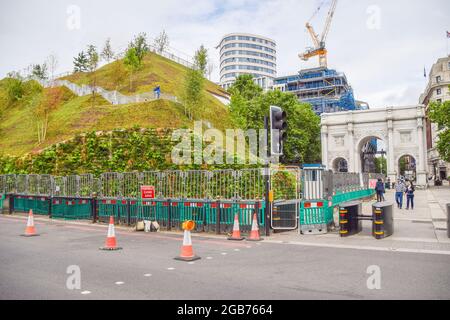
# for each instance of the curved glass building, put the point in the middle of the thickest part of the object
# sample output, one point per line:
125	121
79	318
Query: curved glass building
243	53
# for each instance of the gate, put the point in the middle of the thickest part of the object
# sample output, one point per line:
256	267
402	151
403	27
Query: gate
286	185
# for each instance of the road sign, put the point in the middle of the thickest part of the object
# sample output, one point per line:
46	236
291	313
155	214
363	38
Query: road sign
373	183
148	192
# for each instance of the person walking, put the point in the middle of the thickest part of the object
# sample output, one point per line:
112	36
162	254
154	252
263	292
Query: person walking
400	190
410	196
380	190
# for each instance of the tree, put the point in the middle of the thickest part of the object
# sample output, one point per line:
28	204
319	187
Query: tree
139	44
40	71
118	73
51	100
439	113
193	95
249	105
52	63
132	63
107	52
93	59
14	86
162	42
81	63
201	59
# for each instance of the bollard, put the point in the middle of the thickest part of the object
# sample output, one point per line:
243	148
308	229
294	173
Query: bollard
383	220
349	221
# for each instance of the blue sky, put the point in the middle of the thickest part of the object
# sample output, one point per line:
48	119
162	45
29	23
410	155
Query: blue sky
382	46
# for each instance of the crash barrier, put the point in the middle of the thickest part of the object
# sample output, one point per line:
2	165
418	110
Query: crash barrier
351	218
2	199
209	216
323	191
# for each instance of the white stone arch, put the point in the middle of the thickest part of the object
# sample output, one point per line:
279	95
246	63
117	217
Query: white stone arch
400	156
334	162
400	128
365	138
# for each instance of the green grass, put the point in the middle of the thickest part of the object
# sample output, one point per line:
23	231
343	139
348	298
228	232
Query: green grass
18	133
156	71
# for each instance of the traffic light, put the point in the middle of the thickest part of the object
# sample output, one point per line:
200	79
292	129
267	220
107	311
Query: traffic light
278	130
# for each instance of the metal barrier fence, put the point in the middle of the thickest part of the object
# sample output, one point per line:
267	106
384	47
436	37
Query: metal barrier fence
210	216
225	184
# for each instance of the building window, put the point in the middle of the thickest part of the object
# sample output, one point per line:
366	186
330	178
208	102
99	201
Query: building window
439	91
438	79
439	100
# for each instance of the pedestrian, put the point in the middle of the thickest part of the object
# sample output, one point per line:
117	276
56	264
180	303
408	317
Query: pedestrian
388	183
380	190
400	189
410	196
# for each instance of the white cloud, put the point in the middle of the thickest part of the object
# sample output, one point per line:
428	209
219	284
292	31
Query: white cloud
384	66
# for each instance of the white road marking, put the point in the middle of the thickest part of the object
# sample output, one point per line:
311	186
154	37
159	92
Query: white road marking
368	248
209	258
119	283
237	250
147	275
192	262
248	247
85	292
224	253
170	269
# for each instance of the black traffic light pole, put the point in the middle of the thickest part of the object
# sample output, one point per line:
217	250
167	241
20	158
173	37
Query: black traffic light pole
267	180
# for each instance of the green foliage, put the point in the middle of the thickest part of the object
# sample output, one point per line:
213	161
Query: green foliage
381	165
40	71
107	52
249	105
140	45
92	58
132	63
193	96
128	150
81	62
439	113
245	87
201	59
14	89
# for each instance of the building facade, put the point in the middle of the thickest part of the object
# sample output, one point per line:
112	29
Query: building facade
437	90
325	89
242	53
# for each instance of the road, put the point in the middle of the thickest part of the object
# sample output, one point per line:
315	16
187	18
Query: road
35	268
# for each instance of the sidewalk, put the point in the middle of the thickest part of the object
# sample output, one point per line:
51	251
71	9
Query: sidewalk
423	228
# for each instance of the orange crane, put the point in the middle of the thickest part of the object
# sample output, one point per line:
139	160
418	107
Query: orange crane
319	43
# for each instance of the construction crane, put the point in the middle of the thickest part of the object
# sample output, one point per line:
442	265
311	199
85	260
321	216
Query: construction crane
319	43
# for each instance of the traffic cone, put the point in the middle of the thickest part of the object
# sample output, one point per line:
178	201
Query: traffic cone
254	234
30	230
236	236
187	252
111	243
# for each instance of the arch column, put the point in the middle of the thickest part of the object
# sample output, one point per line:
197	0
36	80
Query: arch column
391	167
421	170
352	148
325	147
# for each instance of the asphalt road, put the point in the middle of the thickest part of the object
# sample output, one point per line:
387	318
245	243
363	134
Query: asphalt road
35	268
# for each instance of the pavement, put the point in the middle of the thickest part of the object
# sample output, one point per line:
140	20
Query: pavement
413	263
302	268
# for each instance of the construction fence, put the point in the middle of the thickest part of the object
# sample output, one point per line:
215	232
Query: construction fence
210	198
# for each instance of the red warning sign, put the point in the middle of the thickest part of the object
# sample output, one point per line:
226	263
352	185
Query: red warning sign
148	192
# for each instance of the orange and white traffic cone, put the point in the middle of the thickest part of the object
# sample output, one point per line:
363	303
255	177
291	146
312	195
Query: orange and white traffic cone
236	236
254	234
187	252
30	230
111	242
